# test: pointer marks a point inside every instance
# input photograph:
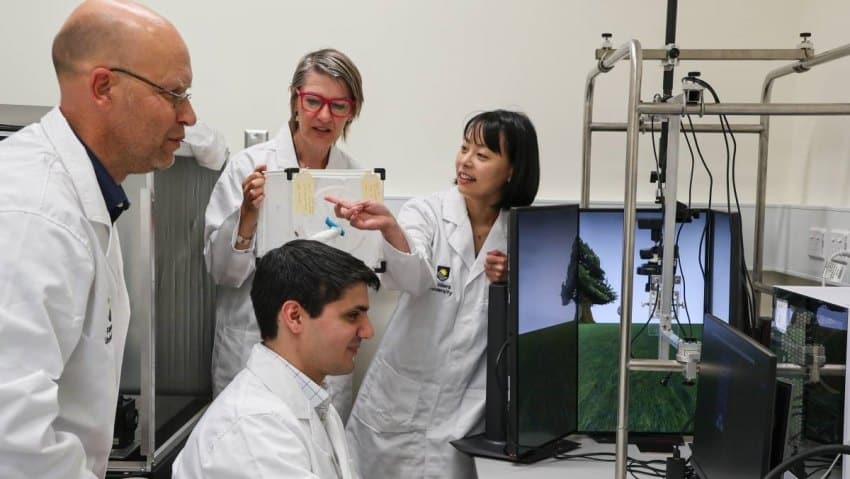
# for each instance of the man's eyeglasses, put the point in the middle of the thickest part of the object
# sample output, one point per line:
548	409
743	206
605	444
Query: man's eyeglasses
176	98
313	102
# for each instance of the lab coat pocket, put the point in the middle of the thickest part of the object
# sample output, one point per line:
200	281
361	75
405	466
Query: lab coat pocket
387	401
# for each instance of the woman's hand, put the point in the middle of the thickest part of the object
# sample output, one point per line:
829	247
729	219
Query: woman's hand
363	214
496	266
371	215
253	194
254	190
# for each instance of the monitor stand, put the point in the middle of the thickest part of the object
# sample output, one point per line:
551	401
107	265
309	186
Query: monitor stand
479	445
662	443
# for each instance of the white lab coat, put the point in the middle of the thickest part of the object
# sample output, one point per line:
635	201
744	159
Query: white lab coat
236	329
64	310
426	384
262	426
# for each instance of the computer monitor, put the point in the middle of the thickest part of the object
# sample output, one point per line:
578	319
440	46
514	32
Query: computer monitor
542	328
532	341
735	405
659	403
724	291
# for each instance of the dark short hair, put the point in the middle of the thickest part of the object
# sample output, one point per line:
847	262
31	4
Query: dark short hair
511	134
309	272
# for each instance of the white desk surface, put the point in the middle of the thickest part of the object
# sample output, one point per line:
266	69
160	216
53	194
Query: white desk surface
581	468
559	469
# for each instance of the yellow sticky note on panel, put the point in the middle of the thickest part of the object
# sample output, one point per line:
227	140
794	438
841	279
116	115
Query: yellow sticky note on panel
371	187
303	190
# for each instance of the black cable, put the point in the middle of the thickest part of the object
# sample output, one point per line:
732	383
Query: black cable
749	290
652	312
691	174
699	250
676	317
815	471
654	151
652	468
702	160
786	465
684	293
748	282
723	128
690	187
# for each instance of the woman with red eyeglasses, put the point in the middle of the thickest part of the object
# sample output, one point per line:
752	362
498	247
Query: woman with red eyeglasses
326	95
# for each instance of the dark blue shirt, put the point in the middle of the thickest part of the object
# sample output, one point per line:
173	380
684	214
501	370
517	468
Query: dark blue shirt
113	194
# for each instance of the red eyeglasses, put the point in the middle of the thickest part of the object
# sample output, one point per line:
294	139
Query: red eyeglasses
313	102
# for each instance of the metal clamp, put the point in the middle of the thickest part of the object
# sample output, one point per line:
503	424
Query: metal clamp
672	57
815	359
688	354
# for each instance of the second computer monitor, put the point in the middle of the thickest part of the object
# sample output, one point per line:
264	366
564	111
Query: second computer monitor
659	403
542	326
735	405
724	291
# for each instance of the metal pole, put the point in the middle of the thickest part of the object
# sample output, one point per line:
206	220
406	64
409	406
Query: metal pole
604	65
667	86
586	138
668	260
761	190
628	256
714	54
783	369
663	365
764	142
147	393
698	127
804	109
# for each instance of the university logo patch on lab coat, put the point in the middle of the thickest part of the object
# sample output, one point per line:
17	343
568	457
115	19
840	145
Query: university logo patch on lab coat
443	272
108	337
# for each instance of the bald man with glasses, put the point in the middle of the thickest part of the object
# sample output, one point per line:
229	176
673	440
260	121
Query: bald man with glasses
124	75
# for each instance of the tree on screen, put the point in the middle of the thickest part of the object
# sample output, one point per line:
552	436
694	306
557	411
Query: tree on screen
592	286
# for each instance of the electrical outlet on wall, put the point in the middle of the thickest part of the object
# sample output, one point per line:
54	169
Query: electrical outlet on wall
816	243
838	241
252	137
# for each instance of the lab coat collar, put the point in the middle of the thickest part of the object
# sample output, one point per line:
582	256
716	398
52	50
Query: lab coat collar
78	164
113	194
266	365
286	147
460	236
496	240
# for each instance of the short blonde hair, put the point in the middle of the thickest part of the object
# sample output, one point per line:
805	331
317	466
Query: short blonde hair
336	65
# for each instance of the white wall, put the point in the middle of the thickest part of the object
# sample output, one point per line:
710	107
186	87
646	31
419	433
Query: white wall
428	66
819	161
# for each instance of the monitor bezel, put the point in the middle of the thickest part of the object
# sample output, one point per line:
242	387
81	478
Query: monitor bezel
513	446
766	433
736	315
609	434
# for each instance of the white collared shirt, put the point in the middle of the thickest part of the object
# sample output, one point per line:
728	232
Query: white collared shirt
316	394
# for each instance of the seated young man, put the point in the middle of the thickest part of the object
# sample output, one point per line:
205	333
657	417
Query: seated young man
275	419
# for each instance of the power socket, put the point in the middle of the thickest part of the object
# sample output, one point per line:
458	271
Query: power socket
252	137
815	246
838	241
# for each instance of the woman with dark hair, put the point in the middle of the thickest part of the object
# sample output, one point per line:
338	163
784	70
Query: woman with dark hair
425	386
